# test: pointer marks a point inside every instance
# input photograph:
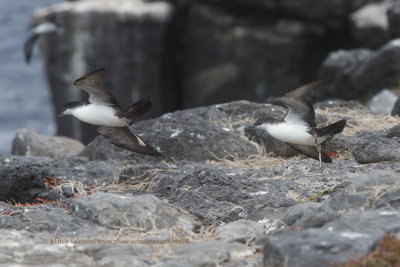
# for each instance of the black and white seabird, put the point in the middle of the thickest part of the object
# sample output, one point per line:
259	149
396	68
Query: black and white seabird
102	109
298	128
45	27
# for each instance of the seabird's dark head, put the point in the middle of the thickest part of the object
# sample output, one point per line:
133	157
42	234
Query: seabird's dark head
68	107
265	120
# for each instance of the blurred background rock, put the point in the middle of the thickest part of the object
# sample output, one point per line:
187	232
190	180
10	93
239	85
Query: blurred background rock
188	53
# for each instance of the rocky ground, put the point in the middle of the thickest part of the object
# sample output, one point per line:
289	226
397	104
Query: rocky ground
221	194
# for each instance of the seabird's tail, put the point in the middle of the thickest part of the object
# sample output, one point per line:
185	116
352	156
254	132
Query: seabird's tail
331	129
139	108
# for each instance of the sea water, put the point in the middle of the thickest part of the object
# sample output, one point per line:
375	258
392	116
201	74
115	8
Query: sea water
24	94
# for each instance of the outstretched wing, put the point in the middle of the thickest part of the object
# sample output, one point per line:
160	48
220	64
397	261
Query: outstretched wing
332	129
123	137
311	151
28	47
139	108
299	108
92	83
40	29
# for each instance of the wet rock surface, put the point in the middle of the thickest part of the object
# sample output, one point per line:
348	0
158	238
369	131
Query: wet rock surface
217	200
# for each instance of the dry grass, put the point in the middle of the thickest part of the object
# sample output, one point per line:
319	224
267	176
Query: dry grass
230	122
145	182
358	119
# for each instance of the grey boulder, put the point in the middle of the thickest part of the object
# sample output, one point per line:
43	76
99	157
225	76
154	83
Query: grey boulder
194	134
359	72
376	146
308	214
316	247
140	213
369	25
239	231
211	253
29	143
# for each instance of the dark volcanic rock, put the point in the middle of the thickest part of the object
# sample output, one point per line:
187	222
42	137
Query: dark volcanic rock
393	132
331	13
73	168
206	254
365	216
361	72
394	19
194	134
220	206
344	67
19	248
239	231
396	108
22	181
377	222
308	215
144	212
121	256
223	194
376	146
50	220
316	247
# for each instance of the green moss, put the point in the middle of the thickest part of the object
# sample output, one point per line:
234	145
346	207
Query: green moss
313	198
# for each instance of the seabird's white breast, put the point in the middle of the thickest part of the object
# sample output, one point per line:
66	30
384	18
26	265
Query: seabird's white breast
98	115
292	133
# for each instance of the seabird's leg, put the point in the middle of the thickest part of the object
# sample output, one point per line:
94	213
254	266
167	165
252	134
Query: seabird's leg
319	151
140	141
130	127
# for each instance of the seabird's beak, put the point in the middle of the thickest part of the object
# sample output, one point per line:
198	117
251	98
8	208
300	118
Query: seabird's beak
252	126
61	115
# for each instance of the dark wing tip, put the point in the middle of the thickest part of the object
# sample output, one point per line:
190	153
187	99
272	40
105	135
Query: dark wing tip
152	152
96	77
28	47
139	108
305	89
331	129
122	137
311	151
